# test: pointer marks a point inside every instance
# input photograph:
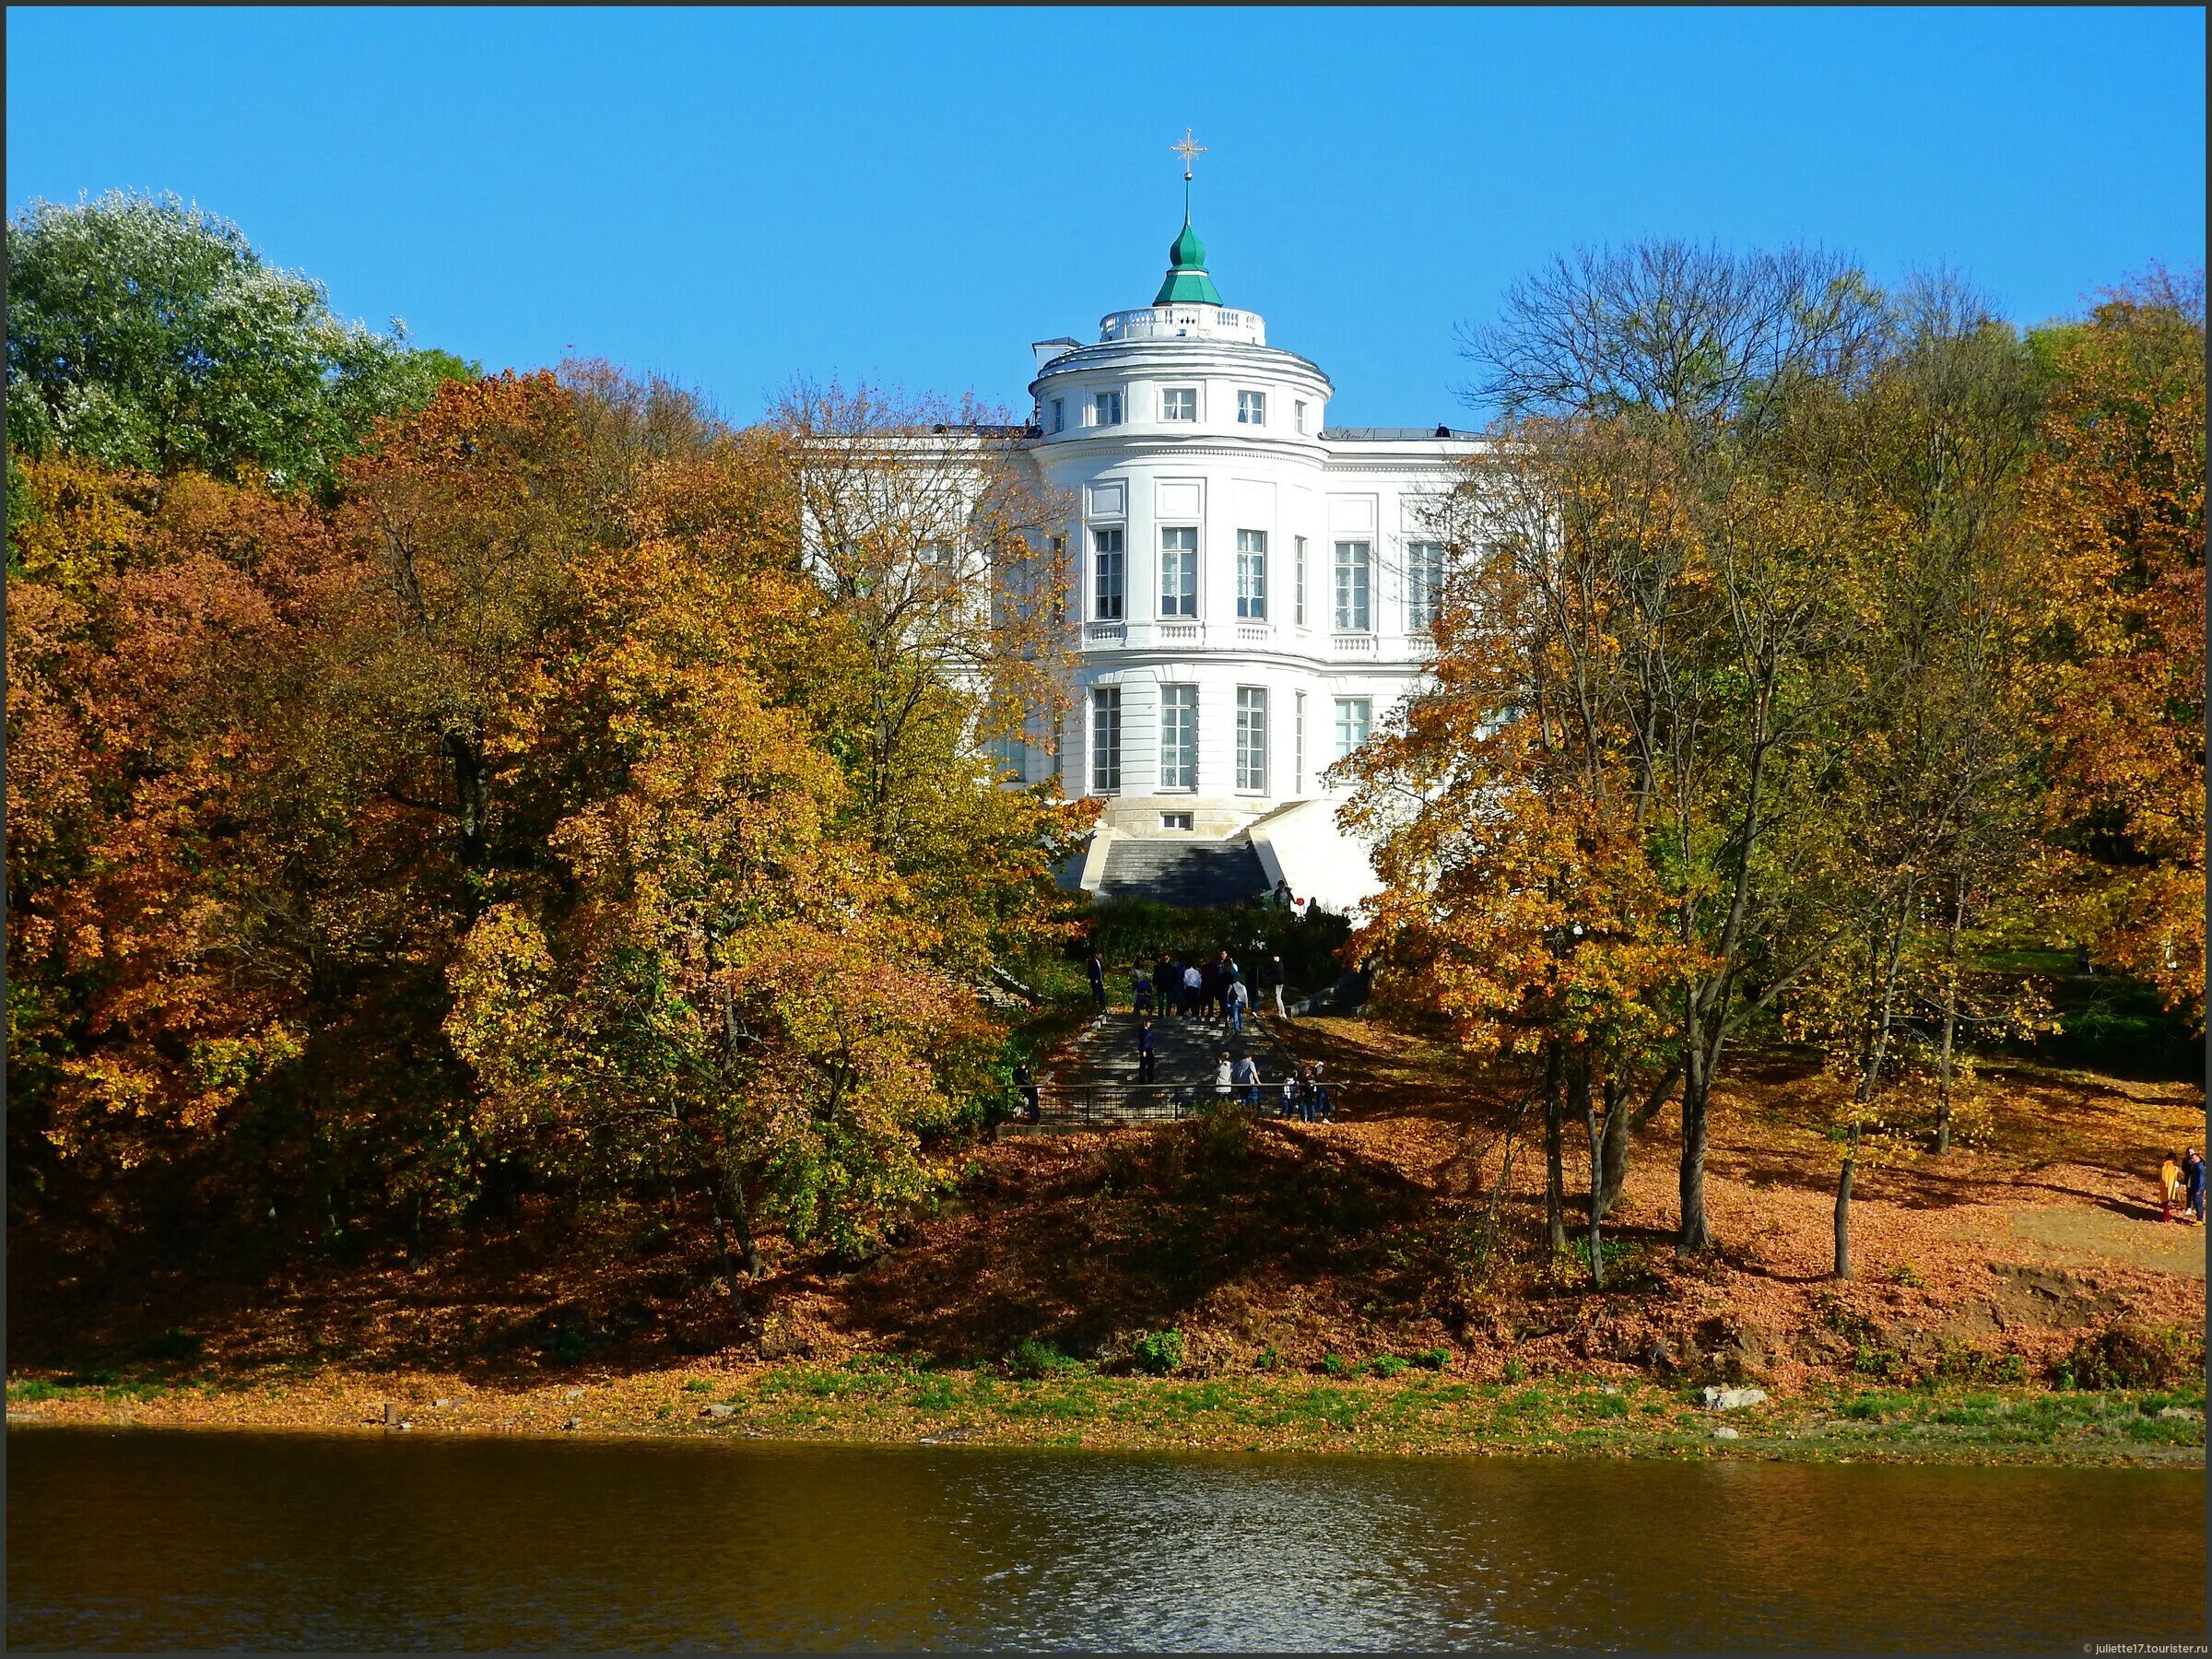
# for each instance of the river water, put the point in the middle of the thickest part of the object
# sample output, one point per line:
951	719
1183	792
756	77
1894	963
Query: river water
148	1540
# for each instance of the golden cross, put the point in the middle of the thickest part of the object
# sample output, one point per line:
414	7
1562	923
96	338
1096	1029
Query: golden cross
1186	149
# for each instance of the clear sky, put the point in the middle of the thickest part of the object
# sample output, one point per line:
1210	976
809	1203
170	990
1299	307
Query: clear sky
735	197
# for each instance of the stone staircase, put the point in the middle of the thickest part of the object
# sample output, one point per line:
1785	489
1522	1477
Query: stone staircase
1187	874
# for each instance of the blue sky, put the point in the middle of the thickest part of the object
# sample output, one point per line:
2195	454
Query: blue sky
735	197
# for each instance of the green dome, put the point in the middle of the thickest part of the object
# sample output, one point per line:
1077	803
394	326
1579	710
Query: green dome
1187	283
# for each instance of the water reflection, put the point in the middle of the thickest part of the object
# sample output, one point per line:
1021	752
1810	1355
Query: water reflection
150	1540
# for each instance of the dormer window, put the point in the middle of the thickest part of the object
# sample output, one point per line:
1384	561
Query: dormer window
1251	408
1179	403
1106	409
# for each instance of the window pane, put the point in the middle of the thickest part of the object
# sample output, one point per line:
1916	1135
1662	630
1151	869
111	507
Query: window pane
1251	737
1108	405
1106	740
1179	736
1179	403
1352	561
1424	578
1179	573
1351	724
1108	586
1297	578
1251	408
1251	573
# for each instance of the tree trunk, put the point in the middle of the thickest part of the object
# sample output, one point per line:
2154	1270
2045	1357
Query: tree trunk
1697	1083
1555	1173
1851	1166
1585	1103
1946	1060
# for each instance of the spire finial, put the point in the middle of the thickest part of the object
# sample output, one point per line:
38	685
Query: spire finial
1187	149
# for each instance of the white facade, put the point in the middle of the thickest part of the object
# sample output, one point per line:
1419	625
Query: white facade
1237	557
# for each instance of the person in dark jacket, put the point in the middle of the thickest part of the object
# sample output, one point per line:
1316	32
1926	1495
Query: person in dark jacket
1096	968
1148	1051
2193	1182
1267	978
1032	1106
1140	992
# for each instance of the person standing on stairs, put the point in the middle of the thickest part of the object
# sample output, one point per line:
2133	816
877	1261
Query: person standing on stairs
1237	999
1269	975
1222	1070
1148	1051
1096	966
1193	982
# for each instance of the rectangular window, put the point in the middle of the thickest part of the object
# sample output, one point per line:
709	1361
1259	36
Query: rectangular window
1107	407
1297	579
1107	576
1251	574
1176	820
1251	408
1353	557
1179	573
1106	740
1252	738
1059	414
1179	403
1179	736
1298	743
1298	415
1424	582
1012	754
1352	714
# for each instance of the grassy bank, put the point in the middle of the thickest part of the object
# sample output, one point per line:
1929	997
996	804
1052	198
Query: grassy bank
1412	1411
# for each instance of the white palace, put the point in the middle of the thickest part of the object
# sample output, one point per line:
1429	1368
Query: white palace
1253	585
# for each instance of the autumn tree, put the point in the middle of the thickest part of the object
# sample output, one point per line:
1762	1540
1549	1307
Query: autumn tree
937	552
146	334
1644	391
2118	497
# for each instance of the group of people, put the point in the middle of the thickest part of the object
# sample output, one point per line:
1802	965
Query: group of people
1196	989
2182	1180
1302	1094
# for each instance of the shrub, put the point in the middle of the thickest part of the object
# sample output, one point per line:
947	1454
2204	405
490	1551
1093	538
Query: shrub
1269	1358
1158	1352
1336	1364
1435	1359
2130	1356
1905	1274
1389	1365
698	1385
1033	1359
1515	1371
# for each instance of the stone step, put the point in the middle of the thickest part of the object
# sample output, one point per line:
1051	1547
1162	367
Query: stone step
1188	874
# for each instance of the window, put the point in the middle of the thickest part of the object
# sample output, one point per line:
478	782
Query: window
1251	574
1176	820
935	555
1424	582
1179	736
1179	573
1107	584
1012	754
1106	740
1298	743
1353	559
1251	408
1297	579
1252	738
1179	403
1298	414
1059	414
1352	714
1107	408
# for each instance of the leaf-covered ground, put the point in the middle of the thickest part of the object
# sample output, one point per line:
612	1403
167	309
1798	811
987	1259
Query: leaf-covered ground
1291	1258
